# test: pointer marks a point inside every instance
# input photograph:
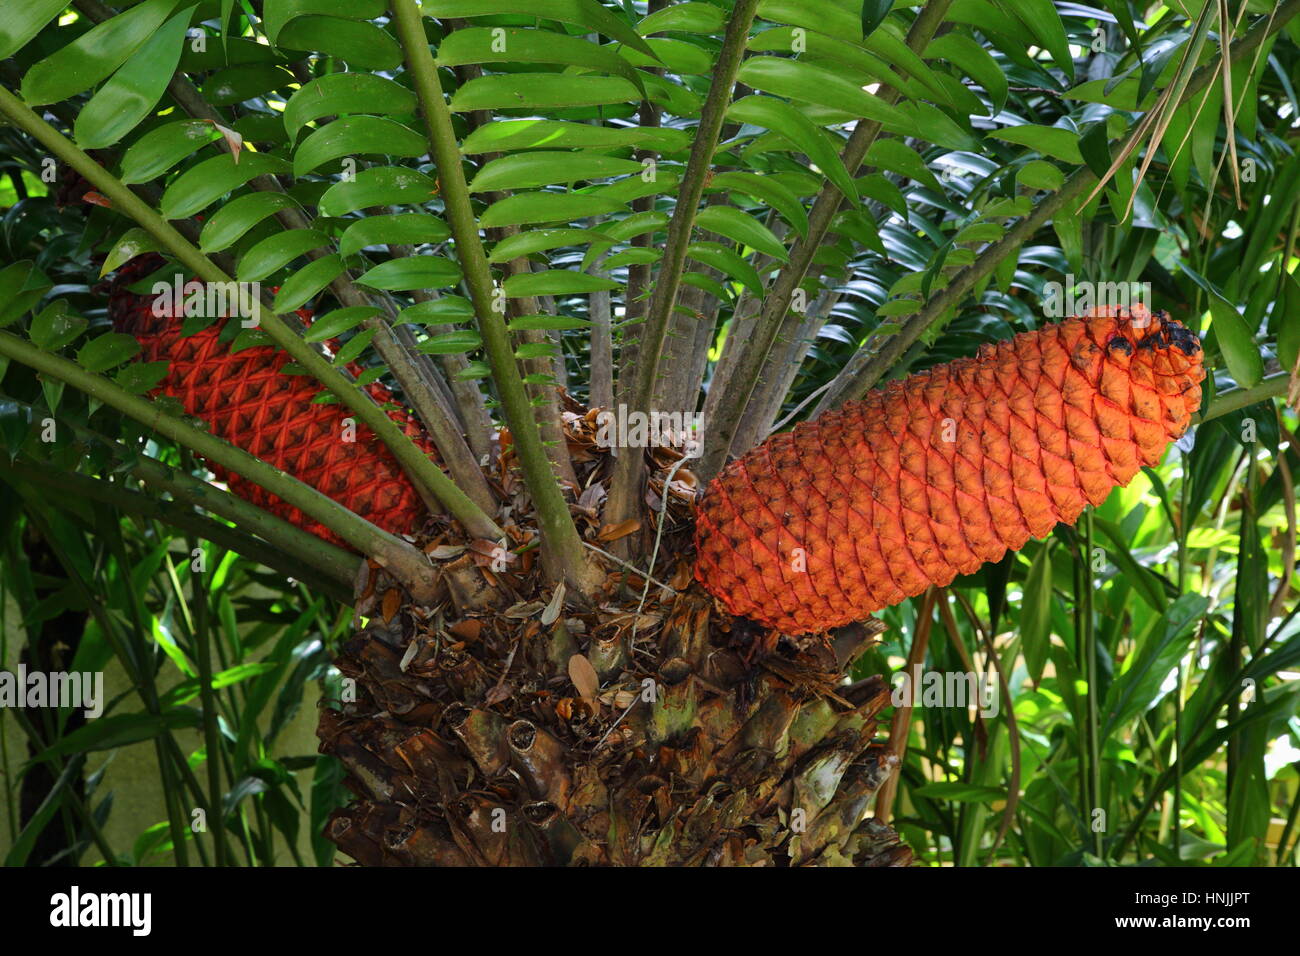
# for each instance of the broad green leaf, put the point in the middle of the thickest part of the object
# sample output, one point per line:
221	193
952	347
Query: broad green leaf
451	343
141	377
883	190
535	350
107	351
362	45
118	730
961	50
636	224
414	272
516	45
959	792
1040	174
21	287
539	240
825	17
556	323
527	208
1045	23
356	136
632	256
277	251
307	282
338	94
674	56
1288	329
1094	147
709	284
933	125
23	21
502	135
555	282
354	347
547	168
378	186
728	262
589	14
134	242
94	55
339	321
535	91
1138	687
1036	613
445	310
236	217
246	82
819	46
408	228
770	191
779	116
279	13
663	182
1121	96
897	157
798	80
1049	140
980	232
133	91
56	325
734	224
206	182
873	13
683	18
1236	342
162	148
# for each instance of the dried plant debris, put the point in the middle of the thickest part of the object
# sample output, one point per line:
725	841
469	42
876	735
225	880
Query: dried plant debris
509	725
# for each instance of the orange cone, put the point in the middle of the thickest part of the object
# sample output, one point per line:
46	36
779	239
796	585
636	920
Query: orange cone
932	476
247	399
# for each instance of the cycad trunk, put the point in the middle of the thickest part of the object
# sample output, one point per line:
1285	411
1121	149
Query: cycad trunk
469	741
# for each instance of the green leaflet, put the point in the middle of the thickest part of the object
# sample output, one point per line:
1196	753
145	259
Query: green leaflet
206	182
583	13
779	116
236	217
734	224
397	229
277	251
413	272
337	94
378	186
162	148
547	168
93	56
356	136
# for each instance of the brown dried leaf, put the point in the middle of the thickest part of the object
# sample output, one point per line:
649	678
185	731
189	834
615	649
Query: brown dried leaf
552	610
621	530
444	552
467	629
583	676
392	604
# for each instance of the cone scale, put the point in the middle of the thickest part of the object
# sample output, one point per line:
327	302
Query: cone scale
246	398
933	476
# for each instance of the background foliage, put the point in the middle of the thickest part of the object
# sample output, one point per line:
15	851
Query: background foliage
1175	601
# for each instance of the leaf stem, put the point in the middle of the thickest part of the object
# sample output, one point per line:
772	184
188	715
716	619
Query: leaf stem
562	550
629	466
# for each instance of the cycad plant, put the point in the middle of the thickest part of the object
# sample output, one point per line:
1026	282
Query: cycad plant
460	310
